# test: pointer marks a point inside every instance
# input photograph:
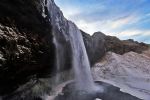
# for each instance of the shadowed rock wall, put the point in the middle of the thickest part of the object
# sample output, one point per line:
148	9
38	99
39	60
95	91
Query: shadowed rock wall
26	48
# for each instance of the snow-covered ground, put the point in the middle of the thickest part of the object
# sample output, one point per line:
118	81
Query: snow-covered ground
130	72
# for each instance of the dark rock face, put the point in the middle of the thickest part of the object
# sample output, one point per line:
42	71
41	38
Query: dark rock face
98	44
26	48
95	46
60	29
35	40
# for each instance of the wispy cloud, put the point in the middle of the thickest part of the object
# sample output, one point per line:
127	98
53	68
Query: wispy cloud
123	21
134	33
106	26
138	35
123	18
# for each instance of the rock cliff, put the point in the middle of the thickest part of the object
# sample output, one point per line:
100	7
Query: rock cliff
123	46
35	42
98	44
26	47
95	46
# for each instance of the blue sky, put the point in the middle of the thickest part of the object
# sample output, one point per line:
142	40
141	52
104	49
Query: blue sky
122	18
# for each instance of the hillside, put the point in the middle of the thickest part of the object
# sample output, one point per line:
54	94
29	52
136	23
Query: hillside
130	72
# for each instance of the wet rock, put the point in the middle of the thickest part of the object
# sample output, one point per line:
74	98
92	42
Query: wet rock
110	92
26	47
95	46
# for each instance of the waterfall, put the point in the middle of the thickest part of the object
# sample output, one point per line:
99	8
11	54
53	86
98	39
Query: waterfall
70	48
80	60
57	60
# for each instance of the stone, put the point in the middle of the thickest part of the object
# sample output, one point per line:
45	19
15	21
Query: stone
24	34
98	44
95	46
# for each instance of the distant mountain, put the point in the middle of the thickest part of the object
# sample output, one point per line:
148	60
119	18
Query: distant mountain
99	43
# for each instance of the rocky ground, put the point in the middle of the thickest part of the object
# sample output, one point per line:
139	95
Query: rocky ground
109	92
26	47
130	72
147	52
123	77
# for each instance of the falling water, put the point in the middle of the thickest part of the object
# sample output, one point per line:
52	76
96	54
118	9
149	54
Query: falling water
57	60
80	62
67	32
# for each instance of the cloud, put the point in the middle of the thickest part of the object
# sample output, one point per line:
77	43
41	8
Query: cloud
89	27
129	33
123	18
123	21
106	26
70	13
138	35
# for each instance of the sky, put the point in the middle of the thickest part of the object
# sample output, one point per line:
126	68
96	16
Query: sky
126	19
